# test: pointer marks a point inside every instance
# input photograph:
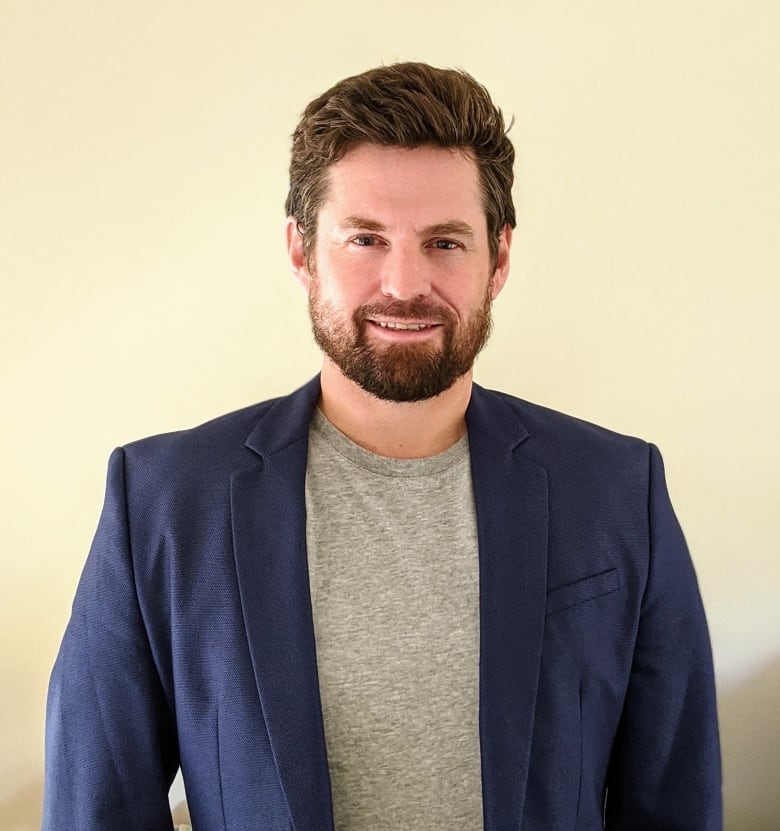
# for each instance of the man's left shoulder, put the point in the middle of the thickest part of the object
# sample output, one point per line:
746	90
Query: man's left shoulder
569	449
544	425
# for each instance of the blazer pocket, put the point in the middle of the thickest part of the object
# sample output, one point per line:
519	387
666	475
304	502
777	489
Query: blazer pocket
581	591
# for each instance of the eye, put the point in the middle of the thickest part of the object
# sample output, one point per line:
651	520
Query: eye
445	244
364	240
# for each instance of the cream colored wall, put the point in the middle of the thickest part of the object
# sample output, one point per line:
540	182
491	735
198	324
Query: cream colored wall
144	286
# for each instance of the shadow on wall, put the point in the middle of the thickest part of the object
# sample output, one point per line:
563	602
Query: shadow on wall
750	738
181	814
22	811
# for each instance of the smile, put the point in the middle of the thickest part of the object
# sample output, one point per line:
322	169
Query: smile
414	327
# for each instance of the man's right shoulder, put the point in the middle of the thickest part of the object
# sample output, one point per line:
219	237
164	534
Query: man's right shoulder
221	445
212	439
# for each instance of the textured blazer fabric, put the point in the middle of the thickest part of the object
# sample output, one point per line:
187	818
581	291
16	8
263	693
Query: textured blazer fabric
191	641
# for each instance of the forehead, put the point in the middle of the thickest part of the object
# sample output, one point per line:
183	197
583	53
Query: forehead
420	183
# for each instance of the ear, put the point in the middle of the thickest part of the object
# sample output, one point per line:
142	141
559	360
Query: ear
296	254
502	261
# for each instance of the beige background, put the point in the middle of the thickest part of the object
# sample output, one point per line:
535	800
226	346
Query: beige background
144	285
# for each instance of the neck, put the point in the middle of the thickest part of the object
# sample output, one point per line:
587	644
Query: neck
407	430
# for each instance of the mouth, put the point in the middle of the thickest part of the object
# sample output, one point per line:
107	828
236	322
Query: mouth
404	327
402	330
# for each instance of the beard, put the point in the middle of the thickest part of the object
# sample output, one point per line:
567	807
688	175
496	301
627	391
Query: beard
397	371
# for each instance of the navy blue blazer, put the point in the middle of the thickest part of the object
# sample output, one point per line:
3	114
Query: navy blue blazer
191	640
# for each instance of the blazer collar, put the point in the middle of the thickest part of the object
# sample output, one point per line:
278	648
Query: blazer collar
489	418
285	421
269	529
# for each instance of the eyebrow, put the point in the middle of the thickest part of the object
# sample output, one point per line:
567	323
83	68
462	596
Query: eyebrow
353	223
440	229
451	228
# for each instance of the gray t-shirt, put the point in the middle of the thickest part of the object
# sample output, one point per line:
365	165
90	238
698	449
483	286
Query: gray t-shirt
393	566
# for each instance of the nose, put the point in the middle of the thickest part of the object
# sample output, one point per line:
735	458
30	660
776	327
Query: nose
405	274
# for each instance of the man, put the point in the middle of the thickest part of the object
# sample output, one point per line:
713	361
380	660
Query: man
392	599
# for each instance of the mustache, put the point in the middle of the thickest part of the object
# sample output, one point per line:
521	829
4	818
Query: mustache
418	309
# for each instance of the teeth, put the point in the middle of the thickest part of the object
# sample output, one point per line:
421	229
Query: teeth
414	327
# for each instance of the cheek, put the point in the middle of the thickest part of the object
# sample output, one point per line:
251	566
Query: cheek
464	292
345	281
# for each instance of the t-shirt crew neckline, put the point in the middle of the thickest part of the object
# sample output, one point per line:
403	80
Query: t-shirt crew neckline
385	465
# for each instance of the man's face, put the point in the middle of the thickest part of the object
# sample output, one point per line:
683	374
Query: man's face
400	281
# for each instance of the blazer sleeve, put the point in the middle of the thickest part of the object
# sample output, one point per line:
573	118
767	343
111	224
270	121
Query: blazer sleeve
111	751
665	769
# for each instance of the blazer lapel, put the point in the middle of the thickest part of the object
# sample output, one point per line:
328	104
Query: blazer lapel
511	499
269	529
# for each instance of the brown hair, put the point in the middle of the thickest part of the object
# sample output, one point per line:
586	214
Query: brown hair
401	105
